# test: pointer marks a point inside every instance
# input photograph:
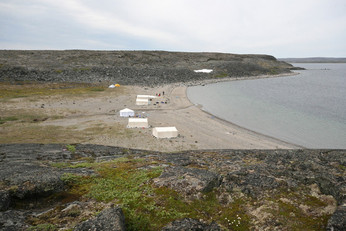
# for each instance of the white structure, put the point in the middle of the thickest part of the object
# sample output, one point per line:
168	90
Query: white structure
127	113
204	70
138	123
142	101
165	132
146	97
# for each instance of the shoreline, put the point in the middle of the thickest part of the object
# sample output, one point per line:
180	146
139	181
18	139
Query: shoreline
211	81
94	119
243	138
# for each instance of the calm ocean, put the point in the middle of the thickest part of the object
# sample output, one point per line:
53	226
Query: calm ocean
308	109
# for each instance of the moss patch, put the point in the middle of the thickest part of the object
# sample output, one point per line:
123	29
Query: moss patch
128	182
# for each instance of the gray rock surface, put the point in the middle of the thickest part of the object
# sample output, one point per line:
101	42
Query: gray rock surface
5	200
338	220
188	224
13	220
189	181
109	219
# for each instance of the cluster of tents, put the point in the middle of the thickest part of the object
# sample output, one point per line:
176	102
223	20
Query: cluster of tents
158	132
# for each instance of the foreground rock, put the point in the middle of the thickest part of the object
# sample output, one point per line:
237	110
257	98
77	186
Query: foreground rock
109	219
275	188
131	67
188	181
190	224
338	221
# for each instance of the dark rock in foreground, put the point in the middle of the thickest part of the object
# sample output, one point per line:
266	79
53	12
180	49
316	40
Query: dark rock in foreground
147	68
191	182
189	224
109	219
338	221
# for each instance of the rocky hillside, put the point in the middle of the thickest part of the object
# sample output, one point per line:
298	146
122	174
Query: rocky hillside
90	187
131	67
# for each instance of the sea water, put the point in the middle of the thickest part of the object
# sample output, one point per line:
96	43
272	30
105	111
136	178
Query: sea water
307	109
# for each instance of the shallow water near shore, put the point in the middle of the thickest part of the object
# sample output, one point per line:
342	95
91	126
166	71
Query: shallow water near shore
308	109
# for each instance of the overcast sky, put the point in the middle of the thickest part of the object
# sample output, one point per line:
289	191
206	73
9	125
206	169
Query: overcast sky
283	28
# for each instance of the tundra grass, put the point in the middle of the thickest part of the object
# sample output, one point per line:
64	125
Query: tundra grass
20	90
128	183
298	210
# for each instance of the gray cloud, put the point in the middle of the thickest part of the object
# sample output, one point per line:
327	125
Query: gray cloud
284	28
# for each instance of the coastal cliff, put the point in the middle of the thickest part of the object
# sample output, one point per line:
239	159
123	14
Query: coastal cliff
148	68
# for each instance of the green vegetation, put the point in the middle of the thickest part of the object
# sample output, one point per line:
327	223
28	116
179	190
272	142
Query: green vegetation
71	179
6	119
292	210
221	75
43	227
71	148
128	182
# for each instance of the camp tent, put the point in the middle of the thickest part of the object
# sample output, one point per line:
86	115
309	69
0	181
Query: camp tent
117	85
142	101
138	123
165	132
111	86
127	113
146	97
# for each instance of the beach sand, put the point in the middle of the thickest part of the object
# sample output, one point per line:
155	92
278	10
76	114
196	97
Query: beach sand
95	119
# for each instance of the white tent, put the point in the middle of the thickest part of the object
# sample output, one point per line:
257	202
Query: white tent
146	97
138	123
142	101
204	70
165	132
127	113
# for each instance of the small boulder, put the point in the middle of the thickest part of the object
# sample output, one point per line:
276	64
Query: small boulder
109	219
189	181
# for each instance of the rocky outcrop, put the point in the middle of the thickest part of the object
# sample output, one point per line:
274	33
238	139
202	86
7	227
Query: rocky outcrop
306	182
191	182
131	67
108	219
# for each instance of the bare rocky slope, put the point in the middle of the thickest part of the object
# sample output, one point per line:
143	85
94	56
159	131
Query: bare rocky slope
131	67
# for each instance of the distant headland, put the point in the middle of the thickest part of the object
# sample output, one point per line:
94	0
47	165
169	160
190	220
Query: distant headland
314	60
148	68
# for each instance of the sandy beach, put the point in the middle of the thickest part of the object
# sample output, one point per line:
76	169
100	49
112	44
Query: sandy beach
95	119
